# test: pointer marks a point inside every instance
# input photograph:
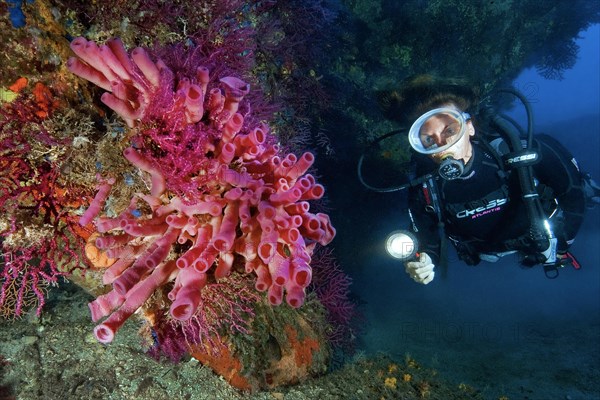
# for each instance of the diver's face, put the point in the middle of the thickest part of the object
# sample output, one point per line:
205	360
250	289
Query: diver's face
442	130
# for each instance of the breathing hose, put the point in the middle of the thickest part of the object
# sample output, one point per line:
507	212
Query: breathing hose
541	234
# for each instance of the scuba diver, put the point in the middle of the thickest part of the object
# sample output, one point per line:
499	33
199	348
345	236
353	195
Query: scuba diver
475	184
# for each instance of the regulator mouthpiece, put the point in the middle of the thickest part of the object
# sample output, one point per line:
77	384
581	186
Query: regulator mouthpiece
450	168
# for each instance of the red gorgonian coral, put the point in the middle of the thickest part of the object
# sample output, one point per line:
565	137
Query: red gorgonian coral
37	239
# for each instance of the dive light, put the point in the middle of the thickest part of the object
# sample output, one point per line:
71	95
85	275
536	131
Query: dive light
402	245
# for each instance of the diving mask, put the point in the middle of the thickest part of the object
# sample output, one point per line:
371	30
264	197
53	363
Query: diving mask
437	130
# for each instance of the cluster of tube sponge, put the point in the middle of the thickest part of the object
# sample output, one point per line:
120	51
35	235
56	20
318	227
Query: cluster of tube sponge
255	213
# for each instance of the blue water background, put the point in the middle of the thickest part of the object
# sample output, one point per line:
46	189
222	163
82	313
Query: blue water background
476	324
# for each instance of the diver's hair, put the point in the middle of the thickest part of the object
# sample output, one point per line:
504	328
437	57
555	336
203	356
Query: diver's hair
422	93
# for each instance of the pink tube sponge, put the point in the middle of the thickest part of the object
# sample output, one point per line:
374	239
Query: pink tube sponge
98	202
221	194
105	332
235	90
188	286
148	68
110	67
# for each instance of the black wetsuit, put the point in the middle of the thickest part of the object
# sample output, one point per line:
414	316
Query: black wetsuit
483	212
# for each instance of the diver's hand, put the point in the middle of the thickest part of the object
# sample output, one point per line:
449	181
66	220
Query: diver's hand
421	271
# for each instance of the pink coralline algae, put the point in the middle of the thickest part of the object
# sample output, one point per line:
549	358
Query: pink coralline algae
247	208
